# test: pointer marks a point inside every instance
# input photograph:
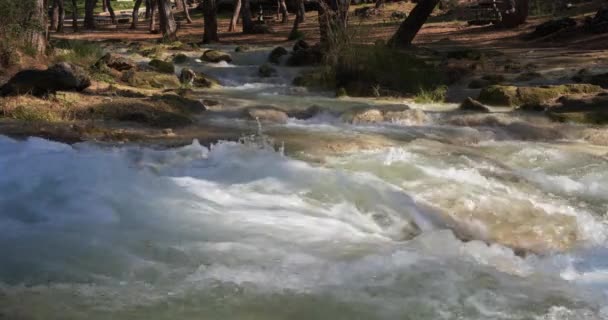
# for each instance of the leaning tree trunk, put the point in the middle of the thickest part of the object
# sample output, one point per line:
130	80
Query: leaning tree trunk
37	37
135	14
54	15
411	26
89	14
210	15
300	13
235	16
168	27
186	10
61	19
248	26
283	10
75	15
111	10
153	7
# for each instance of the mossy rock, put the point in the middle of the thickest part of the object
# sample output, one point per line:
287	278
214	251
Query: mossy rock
497	95
151	112
276	54
266	71
216	56
180	58
180	103
510	96
154	52
150	80
162	66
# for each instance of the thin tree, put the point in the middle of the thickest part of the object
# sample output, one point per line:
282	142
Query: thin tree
54	15
411	26
248	26
300	14
210	15
333	19
153	7
111	10
61	19
148	8
186	10
89	14
75	15
235	16
283	11
37	37
135	14
168	27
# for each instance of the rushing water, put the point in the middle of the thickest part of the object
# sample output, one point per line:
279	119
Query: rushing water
494	228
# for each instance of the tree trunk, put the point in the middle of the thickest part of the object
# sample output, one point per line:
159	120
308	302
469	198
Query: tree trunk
379	4
89	14
210	15
167	22
104	6
37	37
517	14
61	19
283	10
153	7
54	15
412	25
112	14
300	13
179	5
247	20
148	8
186	10
235	16
135	14
74	15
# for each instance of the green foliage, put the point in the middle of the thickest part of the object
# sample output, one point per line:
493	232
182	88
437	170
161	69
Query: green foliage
14	28
431	96
83	53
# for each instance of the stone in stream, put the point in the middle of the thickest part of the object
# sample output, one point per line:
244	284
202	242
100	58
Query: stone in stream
300	45
216	56
266	71
588	110
276	54
205	81
62	76
187	77
115	62
386	113
180	58
267	114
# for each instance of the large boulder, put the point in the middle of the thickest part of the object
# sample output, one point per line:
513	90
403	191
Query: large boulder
162	66
276	54
216	56
62	76
150	80
115	62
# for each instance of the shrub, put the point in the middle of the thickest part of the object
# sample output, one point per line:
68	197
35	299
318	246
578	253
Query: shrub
431	96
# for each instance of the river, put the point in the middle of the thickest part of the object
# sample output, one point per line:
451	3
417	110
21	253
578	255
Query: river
458	217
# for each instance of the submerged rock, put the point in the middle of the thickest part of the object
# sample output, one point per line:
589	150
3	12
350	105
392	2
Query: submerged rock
276	54
216	56
62	76
266	71
267	114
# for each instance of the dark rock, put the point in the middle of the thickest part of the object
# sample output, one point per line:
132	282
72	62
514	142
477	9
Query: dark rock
115	62
300	44
204	81
470	104
266	71
187	77
216	56
551	27
276	54
305	57
600	80
63	76
162	66
599	23
180	58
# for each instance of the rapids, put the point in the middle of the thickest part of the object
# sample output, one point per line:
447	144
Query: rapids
460	217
